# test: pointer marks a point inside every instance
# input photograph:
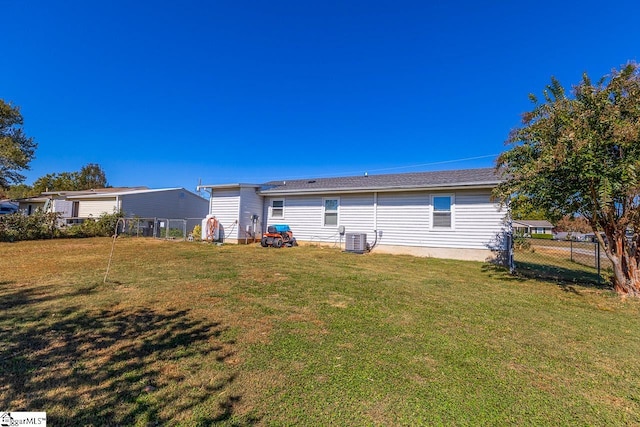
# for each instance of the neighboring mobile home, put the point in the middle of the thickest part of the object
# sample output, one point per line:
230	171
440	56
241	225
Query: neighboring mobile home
132	201
445	214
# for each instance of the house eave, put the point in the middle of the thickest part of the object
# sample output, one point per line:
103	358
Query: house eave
227	186
439	187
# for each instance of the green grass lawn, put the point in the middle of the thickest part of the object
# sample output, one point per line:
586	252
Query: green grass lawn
196	334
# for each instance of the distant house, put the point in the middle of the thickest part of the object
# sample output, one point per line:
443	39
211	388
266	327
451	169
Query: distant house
533	226
132	201
446	214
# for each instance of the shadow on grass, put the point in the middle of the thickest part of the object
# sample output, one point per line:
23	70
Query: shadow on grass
111	367
560	274
16	298
499	272
565	278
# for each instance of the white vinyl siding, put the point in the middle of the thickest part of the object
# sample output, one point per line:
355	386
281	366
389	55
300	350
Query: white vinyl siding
225	206
357	213
97	207
250	204
403	218
478	222
305	216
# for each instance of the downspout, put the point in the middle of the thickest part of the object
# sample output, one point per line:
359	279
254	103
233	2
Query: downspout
375	210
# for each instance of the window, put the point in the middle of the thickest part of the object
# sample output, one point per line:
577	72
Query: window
331	212
277	208
442	212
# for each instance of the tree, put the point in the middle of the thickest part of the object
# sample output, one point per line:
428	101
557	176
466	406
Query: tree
90	176
64	181
16	149
576	224
580	155
19	191
525	209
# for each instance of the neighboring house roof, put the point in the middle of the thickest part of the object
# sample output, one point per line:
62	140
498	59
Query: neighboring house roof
98	192
43	197
123	192
539	223
473	178
93	191
37	199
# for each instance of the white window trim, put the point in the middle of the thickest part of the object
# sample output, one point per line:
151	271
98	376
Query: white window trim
452	197
323	213
271	208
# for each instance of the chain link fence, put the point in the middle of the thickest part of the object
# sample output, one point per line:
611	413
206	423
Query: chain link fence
560	260
160	228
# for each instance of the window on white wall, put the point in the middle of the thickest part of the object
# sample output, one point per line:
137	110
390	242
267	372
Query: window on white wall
277	208
331	212
442	212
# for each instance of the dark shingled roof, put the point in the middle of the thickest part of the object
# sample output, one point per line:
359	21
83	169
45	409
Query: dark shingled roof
486	177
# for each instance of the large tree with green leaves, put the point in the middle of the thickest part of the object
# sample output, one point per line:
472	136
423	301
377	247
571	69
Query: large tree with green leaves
16	149
579	154
90	176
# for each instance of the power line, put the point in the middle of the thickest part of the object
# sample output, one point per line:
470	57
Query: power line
400	167
435	163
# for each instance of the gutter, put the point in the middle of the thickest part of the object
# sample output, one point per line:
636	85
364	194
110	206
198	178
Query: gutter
476	185
226	186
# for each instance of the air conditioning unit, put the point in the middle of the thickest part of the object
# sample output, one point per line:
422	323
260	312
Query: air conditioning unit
356	242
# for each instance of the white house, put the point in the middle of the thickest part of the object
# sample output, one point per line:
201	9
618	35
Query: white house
445	214
532	226
132	201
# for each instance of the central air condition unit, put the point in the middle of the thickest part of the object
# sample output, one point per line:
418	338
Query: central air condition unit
356	242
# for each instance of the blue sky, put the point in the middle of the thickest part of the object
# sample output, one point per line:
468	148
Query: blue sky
165	94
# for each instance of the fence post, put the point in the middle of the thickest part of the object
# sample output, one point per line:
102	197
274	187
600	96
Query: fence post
598	262
184	229
571	250
510	254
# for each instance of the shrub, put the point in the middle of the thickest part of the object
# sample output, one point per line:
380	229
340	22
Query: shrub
521	243
103	226
197	232
542	236
173	233
39	225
